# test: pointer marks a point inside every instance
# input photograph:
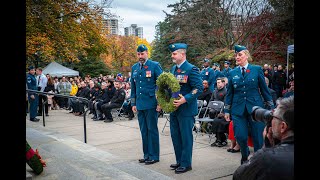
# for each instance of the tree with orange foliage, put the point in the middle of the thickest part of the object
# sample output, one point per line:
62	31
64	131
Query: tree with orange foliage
63	30
122	52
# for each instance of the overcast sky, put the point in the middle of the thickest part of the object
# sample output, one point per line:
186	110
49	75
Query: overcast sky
144	13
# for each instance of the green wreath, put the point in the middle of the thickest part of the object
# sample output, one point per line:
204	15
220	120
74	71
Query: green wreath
168	90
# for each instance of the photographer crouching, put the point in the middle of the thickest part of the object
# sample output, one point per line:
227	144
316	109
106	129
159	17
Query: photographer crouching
276	161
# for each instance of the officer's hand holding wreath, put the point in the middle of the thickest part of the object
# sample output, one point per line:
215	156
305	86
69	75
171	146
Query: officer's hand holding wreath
168	92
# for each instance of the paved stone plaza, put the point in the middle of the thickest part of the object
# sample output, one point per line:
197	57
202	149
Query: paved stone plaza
113	149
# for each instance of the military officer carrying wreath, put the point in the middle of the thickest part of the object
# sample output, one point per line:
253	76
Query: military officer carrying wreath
182	119
245	87
143	99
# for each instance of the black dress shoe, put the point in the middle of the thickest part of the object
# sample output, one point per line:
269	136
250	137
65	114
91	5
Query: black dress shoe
182	169
234	150
39	114
107	120
34	119
174	166
244	160
142	160
221	144
214	144
151	161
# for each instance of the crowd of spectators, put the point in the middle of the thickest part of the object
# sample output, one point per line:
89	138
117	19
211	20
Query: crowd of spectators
96	93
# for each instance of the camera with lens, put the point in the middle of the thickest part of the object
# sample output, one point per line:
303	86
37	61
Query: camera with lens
260	114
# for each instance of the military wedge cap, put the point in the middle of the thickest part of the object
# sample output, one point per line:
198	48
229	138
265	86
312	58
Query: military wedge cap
176	46
30	67
142	48
238	48
216	64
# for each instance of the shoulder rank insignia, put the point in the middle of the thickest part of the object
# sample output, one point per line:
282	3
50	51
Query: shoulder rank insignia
194	91
236	77
195	68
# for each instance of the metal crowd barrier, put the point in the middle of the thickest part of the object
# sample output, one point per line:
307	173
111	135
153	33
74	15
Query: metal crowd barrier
63	96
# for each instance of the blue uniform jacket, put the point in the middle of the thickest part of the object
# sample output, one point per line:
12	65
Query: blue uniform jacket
31	83
226	72
244	92
208	74
143	84
191	87
217	74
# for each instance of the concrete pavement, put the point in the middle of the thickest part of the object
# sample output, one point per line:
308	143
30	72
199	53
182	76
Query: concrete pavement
113	149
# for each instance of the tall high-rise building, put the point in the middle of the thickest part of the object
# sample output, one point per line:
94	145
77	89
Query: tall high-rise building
134	30
111	25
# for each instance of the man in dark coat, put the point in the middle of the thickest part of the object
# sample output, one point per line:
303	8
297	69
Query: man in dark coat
115	102
276	162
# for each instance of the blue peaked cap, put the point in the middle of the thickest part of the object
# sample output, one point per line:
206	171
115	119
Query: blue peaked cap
216	64
206	60
238	48
176	46
30	67
227	62
142	48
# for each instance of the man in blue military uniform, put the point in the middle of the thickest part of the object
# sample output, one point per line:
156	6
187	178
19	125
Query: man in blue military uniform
143	99
32	97
182	119
226	71
217	73
245	85
208	74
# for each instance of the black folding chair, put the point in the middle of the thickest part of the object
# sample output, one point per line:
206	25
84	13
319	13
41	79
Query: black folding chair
167	116
212	105
200	104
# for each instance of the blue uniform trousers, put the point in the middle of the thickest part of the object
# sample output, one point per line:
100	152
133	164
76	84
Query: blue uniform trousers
182	138
148	122
240	127
33	107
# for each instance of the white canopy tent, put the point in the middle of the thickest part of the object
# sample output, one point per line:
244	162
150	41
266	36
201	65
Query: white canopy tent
289	50
57	70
